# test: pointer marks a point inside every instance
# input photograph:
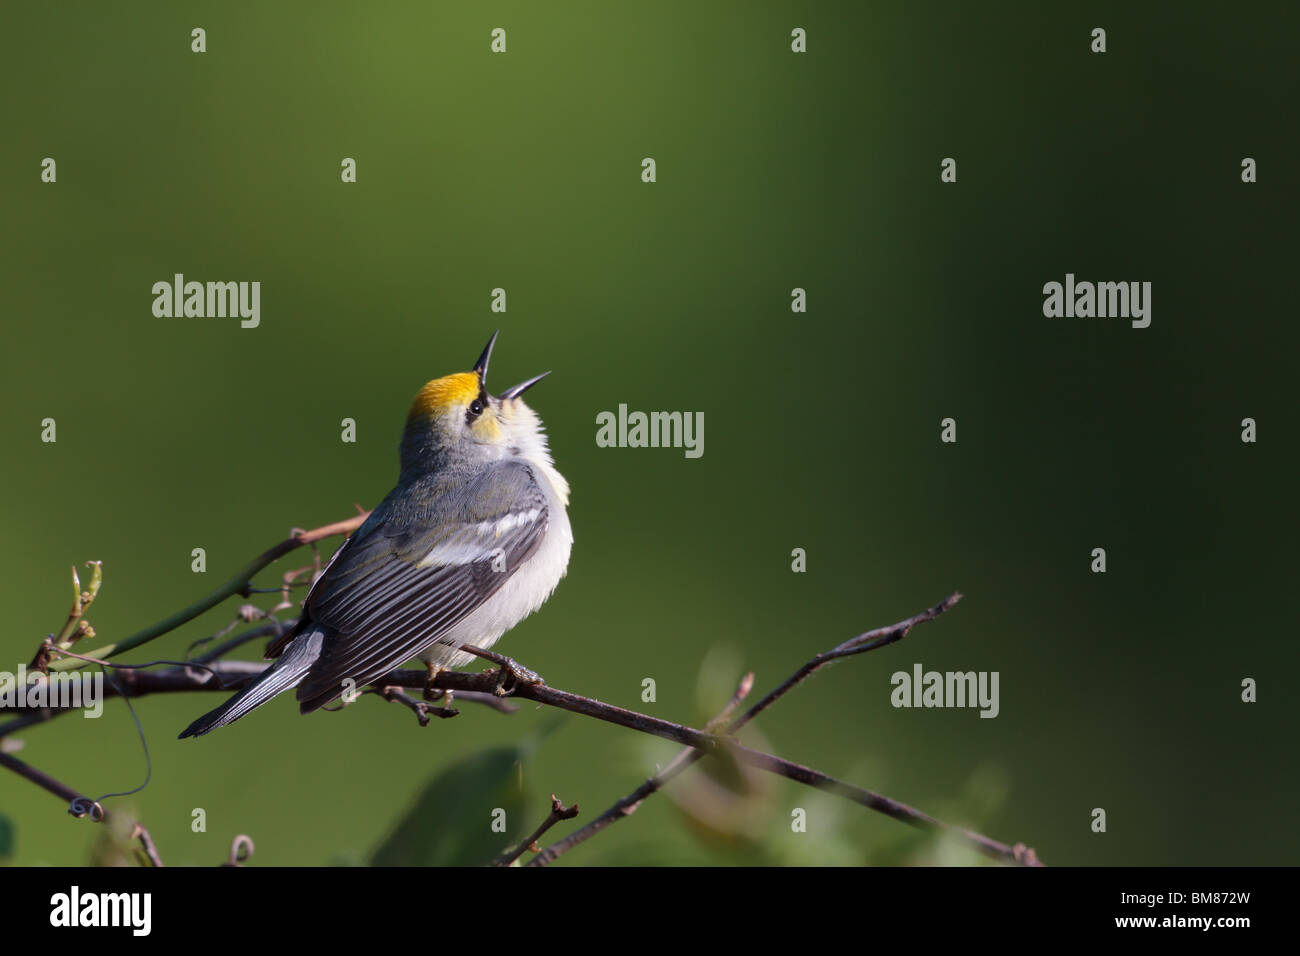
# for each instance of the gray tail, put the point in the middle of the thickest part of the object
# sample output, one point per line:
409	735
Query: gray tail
286	672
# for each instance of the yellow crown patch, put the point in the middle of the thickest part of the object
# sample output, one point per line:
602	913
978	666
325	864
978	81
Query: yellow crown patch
443	393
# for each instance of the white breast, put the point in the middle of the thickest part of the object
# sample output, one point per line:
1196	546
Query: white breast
527	589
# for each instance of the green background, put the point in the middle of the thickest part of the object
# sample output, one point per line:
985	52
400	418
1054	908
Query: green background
775	171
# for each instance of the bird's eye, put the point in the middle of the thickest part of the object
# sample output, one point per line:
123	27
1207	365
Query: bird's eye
476	407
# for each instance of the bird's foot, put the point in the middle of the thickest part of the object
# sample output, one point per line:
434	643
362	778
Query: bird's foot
432	693
511	673
423	710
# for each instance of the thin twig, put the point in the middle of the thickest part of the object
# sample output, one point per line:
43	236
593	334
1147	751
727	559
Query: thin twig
421	708
220	676
499	704
867	641
273	627
44	781
236	585
628	805
138	832
558	812
737	697
79	805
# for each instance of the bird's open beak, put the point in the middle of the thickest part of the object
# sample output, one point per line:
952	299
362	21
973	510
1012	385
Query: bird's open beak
481	366
516	390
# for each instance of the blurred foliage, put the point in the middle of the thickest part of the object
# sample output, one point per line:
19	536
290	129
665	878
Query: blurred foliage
730	814
8	838
112	844
447	825
453	821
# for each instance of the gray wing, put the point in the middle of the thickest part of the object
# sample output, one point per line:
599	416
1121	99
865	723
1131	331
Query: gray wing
391	593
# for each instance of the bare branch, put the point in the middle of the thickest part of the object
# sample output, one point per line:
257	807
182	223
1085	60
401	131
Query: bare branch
558	812
140	683
272	628
867	641
628	805
238	584
209	673
226	676
79	805
421	708
707	743
138	832
45	782
738	695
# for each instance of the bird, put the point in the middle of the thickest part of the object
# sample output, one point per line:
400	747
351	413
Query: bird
474	537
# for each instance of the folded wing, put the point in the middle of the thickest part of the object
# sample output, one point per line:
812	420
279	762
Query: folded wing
389	595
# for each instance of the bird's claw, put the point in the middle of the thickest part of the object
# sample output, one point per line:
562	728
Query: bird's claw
511	674
432	693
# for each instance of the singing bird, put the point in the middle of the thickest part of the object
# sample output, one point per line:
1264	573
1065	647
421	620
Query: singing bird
473	539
